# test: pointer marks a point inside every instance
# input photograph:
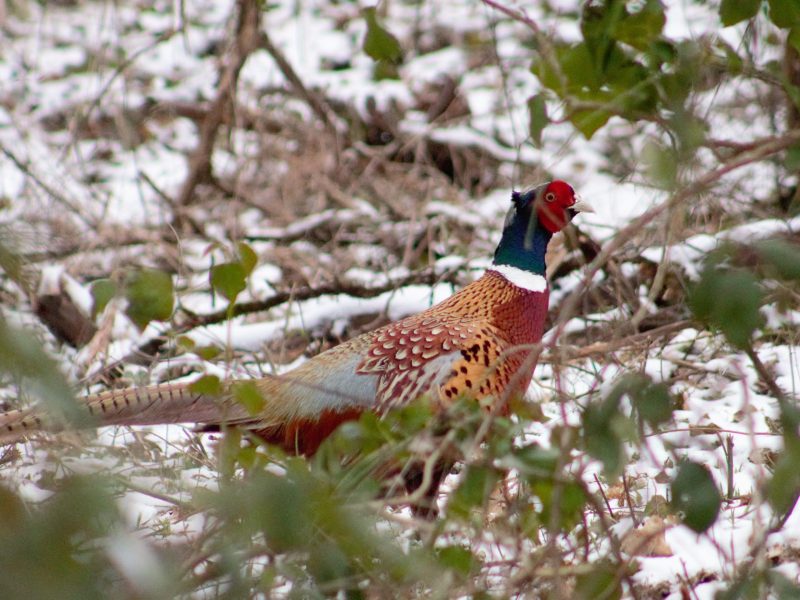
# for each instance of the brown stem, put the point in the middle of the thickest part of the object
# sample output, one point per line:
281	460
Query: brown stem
602	493
245	42
317	105
764	375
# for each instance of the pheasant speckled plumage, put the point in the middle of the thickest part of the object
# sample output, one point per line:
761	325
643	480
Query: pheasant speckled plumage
479	343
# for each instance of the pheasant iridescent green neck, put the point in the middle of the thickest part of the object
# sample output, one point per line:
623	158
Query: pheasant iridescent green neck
523	246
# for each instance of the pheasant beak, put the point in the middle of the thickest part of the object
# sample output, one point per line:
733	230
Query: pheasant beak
581	206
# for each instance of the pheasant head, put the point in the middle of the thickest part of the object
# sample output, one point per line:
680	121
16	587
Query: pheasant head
534	217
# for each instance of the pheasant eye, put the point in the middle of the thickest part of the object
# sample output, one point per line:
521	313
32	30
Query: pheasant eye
549	197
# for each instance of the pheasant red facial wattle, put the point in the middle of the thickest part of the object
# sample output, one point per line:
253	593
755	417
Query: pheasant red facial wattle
476	344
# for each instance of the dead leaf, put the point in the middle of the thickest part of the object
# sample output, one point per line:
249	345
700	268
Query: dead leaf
647	540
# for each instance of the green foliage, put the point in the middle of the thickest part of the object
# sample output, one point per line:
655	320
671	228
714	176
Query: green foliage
457	558
624	65
732	12
537	114
783	487
601	582
696	496
230	278
63	547
662	165
728	299
754	585
23	359
103	291
781	258
248	395
150	296
606	429
306	513
209	385
381	45
11	263
784	13
651	401
247	257
607	73
476	484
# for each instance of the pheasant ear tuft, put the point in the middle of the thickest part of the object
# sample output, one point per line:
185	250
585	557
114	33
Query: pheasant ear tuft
516	197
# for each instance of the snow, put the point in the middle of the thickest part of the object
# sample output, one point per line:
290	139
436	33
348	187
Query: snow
63	62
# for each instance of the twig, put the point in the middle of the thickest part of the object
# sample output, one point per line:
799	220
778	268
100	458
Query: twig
764	375
602	493
562	353
628	499
728	446
245	42
48	189
126	483
317	105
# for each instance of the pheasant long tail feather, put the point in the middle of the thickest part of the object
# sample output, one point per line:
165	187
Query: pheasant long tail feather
167	403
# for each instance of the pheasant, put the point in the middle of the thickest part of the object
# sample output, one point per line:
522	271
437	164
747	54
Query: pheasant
479	343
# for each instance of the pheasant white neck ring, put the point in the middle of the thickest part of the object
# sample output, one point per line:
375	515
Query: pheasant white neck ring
526	280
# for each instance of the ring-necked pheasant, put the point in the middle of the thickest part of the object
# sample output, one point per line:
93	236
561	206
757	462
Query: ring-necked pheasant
478	342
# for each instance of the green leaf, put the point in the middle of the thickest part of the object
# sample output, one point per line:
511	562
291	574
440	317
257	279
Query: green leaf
22	357
208	385
695	494
11	262
207	352
248	395
565	499
186	343
379	43
785	13
150	296
651	400
662	165
537	113
601	583
589	121
602	433
732	12
457	558
792	160
728	299
784	486
617	84
247	257
784	587
474	488
782	256
643	27
794	39
229	279
285	512
102	290
532	461
654	404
